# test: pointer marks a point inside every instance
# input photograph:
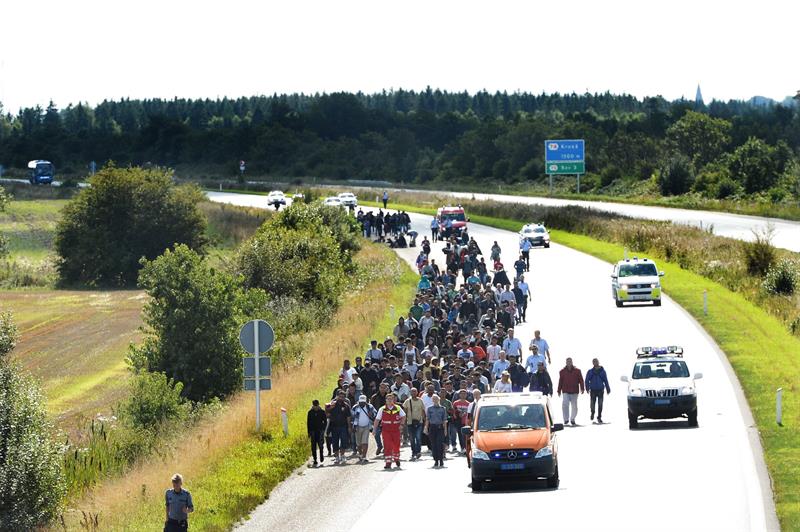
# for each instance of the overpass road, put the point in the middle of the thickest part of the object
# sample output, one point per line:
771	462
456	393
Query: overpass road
664	476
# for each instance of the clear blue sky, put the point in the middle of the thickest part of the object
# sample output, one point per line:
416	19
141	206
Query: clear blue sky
90	50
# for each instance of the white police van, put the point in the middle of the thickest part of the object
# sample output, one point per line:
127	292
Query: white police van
635	280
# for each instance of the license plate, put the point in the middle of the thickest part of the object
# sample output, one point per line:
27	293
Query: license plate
639	298
509	467
662	401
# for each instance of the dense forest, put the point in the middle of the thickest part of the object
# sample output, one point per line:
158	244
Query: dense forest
721	149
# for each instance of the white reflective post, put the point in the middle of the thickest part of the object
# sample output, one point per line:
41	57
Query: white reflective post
285	421
779	406
705	302
258	378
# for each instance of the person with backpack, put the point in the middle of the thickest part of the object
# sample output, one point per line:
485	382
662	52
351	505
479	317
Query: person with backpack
363	417
597	384
389	419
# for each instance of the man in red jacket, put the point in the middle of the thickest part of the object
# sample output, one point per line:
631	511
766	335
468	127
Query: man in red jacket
570	381
388	420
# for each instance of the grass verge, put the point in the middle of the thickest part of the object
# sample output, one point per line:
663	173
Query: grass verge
228	466
760	349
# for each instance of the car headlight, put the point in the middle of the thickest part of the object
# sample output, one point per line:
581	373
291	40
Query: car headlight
687	390
477	454
654	285
624	287
636	392
545	451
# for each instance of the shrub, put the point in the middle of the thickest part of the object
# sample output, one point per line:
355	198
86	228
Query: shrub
726	188
676	176
782	278
191	324
125	215
31	479
8	334
759	254
155	400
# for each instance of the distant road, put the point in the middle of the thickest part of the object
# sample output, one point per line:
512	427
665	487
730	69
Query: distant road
738	226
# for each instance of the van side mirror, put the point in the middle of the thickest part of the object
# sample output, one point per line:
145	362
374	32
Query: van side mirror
698	375
613	276
466	432
661	274
557	427
624	378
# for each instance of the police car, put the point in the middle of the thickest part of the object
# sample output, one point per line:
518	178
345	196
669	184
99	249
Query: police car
661	387
536	234
635	280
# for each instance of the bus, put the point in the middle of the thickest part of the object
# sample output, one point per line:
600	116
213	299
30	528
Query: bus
41	172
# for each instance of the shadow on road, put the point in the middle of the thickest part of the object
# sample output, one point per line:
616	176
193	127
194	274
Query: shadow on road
664	425
507	486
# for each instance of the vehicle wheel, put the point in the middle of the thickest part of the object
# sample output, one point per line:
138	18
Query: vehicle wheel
547	245
656	302
633	421
552	482
618	302
693	418
477	485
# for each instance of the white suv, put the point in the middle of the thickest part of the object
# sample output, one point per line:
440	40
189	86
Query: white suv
636	280
348	199
661	387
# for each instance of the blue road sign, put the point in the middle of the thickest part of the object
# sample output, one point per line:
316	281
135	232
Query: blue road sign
564	151
266	336
264	384
264	367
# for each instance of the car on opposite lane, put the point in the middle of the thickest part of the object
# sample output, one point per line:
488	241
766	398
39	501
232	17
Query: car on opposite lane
333	201
636	280
661	387
276	198
512	437
536	234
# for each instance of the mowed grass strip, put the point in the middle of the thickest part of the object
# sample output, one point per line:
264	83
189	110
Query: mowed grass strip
229	468
760	349
30	227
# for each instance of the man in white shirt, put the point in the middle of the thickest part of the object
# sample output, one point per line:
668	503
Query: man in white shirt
500	366
493	351
373	353
526	292
425	324
532	362
348	372
541	343
512	346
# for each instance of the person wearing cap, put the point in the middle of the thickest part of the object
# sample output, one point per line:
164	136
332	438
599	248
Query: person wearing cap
316	424
389	419
363	417
436	428
504	384
178	506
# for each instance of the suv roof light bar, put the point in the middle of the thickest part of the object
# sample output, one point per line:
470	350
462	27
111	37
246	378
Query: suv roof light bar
670	350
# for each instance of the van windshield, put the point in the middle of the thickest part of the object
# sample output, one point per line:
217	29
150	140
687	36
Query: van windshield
511	417
660	370
630	270
454	216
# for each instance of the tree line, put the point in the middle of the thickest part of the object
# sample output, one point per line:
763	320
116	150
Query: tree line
421	137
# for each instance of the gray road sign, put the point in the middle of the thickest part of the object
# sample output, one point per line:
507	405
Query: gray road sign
266	336
264	367
264	384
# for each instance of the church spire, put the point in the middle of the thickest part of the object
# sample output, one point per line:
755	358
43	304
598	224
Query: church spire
698	99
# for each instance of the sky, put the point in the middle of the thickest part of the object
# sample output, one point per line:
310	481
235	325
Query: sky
88	50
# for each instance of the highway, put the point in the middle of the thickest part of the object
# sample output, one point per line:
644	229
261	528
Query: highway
664	476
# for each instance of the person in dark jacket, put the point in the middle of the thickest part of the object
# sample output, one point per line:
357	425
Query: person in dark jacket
519	377
316	423
541	381
597	384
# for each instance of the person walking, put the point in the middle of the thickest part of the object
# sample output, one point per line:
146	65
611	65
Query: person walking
541	343
385	198
363	415
316	424
570	381
525	250
377	401
541	381
519	377
414	408
504	384
512	346
178	506
434	228
340	415
436	428
389	418
597	384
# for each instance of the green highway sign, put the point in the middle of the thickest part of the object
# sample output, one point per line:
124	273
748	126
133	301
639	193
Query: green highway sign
558	168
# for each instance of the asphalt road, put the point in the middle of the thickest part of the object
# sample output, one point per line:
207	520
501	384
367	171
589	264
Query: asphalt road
738	226
664	476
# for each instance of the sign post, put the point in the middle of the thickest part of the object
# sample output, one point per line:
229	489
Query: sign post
256	337
563	157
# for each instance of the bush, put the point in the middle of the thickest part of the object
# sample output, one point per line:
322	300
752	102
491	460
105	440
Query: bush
726	188
191	324
8	334
676	176
125	215
759	254
155	401
782	278
32	484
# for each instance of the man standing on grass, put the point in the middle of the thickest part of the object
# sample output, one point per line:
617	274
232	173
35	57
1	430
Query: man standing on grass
388	420
179	506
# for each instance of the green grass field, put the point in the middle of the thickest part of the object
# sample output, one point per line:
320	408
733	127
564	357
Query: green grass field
760	349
